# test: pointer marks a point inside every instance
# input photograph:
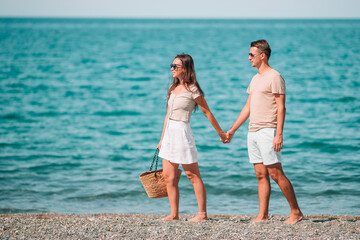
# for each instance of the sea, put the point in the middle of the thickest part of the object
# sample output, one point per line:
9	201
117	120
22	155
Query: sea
83	101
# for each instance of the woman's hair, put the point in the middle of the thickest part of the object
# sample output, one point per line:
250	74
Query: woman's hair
190	76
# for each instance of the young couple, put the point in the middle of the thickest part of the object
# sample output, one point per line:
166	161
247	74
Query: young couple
265	106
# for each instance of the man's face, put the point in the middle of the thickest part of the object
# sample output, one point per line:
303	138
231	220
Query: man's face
255	57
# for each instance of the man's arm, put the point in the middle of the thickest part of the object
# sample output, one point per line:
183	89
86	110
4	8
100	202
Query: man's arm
243	116
281	110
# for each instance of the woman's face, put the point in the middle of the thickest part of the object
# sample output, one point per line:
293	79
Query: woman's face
178	71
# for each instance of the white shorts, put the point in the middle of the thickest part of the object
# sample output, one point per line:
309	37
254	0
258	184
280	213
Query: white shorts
260	147
178	144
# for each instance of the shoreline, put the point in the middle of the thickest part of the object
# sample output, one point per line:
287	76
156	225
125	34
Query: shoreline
146	226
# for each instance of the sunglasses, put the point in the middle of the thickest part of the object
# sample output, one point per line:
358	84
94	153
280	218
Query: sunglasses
174	66
252	55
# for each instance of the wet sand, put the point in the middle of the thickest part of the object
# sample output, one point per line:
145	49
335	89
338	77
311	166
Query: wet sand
146	226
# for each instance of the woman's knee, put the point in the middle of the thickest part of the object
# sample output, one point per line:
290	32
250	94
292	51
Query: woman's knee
192	176
170	178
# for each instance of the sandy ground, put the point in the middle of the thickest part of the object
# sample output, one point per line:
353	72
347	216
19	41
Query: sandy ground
139	226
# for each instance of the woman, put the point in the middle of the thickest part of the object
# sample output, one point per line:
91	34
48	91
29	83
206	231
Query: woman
177	145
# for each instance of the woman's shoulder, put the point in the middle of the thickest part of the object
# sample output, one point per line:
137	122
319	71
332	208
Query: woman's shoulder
194	91
193	88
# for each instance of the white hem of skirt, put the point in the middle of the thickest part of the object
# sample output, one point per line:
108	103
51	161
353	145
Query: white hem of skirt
178	144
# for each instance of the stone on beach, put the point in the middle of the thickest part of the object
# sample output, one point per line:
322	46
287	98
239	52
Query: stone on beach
146	226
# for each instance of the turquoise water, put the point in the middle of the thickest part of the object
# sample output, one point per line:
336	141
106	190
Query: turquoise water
82	103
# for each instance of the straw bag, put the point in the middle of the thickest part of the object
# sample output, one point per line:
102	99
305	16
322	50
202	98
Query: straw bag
153	181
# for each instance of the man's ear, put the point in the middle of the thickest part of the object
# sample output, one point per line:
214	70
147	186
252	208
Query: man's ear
263	56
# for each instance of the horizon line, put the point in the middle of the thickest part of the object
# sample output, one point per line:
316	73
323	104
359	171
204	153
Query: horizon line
181	18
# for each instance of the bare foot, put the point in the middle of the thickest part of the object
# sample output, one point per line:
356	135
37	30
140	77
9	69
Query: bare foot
294	218
261	218
169	218
199	217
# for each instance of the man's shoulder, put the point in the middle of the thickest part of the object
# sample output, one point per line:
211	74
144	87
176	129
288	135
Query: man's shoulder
275	75
275	72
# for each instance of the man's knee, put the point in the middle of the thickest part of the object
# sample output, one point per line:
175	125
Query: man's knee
261	172
260	175
276	173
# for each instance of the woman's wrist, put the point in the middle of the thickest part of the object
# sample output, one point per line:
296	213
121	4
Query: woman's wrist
232	130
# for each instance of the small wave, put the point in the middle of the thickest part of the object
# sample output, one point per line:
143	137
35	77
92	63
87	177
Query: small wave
12	116
209	147
122	67
117	113
137	95
139	79
88	60
45	68
46	114
69	93
18	210
136	87
327	100
57	166
295	121
224	190
113	195
329	148
115	133
16	85
346	99
15	145
8	171
120	158
341	192
126	147
16	117
83	137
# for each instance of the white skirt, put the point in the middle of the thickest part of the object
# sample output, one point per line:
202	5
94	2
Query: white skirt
178	144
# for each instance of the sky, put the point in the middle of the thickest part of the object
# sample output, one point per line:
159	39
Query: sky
181	8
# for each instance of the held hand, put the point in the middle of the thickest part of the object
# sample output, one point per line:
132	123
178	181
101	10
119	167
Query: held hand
278	143
229	135
222	137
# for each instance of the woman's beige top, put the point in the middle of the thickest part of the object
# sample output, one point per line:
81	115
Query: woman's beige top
182	105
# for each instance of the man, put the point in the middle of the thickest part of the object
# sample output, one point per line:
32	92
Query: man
266	107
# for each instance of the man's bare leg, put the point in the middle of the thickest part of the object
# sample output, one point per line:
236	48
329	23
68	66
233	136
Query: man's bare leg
276	172
264	190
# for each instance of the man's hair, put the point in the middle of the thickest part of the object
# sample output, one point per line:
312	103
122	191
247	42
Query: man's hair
263	46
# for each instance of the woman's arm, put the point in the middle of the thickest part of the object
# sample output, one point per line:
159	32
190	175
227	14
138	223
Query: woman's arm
206	110
165	123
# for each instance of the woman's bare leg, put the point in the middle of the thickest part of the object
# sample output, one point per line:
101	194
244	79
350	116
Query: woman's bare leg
193	174
169	172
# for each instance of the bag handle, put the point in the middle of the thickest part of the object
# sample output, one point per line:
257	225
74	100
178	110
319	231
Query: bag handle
155	158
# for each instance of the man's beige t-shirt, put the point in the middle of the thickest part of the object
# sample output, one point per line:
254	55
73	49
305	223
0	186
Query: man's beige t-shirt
263	108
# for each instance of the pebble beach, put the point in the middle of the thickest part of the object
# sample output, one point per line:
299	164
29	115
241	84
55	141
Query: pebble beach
146	226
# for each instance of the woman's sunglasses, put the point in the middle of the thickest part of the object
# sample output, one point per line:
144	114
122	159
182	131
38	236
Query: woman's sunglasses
174	66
